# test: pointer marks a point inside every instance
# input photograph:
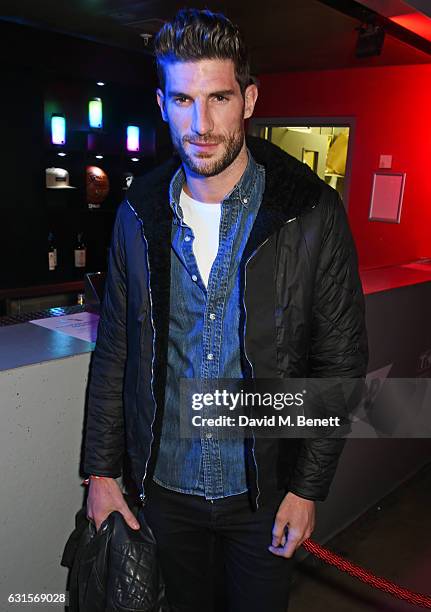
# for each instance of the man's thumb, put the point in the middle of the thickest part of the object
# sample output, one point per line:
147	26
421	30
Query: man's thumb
130	519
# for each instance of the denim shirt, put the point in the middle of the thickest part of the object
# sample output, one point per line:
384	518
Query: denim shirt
204	341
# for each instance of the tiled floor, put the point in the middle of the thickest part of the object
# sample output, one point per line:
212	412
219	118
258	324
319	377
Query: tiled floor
392	539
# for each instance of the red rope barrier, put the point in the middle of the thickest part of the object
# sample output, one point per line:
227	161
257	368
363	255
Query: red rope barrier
358	572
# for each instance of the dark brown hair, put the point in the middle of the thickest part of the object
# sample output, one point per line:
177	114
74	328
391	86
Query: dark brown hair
200	34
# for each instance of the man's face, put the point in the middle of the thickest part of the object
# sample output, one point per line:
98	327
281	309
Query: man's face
205	110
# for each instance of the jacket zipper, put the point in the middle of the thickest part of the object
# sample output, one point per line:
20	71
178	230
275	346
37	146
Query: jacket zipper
250	364
142	493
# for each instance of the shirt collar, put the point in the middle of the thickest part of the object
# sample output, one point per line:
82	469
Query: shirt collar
241	191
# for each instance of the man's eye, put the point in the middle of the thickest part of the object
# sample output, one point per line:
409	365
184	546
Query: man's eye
220	98
181	99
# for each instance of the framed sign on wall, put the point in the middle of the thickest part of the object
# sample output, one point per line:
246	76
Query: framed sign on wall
387	196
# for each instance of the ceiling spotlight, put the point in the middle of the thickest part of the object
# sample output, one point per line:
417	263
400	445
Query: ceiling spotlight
99	156
62	154
135	159
100	83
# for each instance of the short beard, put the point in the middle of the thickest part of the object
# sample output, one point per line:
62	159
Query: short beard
233	145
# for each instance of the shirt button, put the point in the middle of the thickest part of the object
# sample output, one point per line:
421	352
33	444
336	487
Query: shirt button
212	316
210	356
245	200
208	436
187	238
194	277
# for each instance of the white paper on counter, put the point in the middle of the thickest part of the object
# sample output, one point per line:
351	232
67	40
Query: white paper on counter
82	325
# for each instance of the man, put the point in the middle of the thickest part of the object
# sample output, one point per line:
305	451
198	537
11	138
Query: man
237	263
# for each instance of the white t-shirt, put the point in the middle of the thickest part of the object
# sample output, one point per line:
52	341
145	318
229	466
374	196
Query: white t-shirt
204	220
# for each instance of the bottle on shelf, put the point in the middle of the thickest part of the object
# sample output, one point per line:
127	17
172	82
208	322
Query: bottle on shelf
52	252
80	251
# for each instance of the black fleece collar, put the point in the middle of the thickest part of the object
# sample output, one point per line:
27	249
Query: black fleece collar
291	188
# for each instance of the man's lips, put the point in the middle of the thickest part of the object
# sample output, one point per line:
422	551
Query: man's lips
204	145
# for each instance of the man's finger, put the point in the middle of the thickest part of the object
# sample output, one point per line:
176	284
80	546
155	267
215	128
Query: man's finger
284	551
97	523
278	531
291	544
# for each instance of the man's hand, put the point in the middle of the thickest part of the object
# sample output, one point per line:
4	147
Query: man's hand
105	496
298	515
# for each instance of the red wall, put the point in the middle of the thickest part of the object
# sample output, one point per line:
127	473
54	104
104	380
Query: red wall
392	108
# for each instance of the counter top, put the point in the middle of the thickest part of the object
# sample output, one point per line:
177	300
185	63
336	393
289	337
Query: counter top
392	277
25	344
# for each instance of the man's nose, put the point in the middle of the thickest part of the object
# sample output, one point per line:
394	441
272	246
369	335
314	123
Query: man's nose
202	122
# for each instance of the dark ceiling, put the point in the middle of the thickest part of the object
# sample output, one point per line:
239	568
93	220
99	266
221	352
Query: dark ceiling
283	35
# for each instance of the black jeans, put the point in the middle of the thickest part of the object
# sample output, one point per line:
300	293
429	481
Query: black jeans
196	536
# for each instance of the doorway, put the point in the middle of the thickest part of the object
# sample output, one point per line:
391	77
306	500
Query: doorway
323	144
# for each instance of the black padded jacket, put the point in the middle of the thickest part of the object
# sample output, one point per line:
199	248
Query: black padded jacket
114	569
302	314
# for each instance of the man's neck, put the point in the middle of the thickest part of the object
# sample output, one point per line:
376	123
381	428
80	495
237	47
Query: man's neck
213	189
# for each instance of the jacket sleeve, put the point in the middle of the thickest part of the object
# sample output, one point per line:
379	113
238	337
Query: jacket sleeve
339	347
104	431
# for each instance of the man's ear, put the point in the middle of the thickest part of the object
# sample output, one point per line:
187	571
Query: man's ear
161	103
250	97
